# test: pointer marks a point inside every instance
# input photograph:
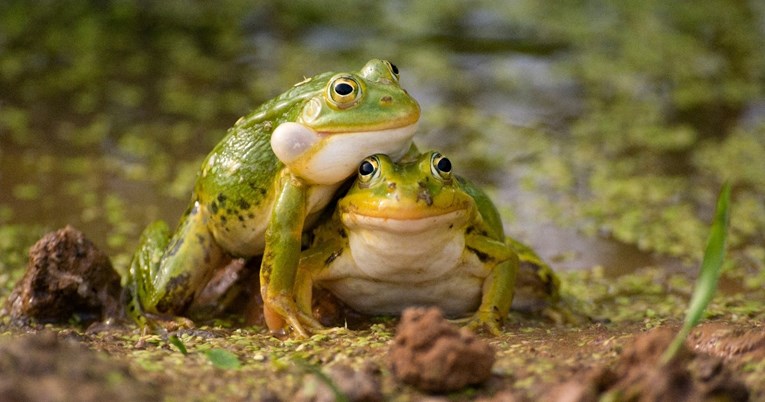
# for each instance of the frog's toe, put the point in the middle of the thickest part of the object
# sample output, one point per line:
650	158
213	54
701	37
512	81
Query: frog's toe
488	322
282	316
303	325
310	323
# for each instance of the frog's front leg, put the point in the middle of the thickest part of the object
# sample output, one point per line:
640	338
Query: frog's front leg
280	259
314	265
168	272
499	285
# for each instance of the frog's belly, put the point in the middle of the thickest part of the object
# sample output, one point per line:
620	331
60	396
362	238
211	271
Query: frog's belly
384	272
456	295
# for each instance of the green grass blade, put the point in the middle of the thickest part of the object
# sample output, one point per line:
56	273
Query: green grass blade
175	341
706	284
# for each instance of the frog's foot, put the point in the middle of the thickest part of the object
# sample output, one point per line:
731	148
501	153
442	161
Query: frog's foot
282	314
489	321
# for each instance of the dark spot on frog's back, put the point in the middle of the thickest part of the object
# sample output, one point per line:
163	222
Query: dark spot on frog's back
243	204
174	300
214	207
259	190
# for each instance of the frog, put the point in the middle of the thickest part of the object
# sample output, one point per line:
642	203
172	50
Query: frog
264	184
414	233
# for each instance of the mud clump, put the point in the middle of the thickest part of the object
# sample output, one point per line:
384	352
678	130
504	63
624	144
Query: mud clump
728	342
42	367
67	277
435	356
640	376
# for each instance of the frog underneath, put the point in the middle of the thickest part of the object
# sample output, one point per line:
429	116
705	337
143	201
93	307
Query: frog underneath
414	233
265	183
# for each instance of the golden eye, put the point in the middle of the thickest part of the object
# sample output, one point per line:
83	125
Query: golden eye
393	69
369	169
344	91
441	166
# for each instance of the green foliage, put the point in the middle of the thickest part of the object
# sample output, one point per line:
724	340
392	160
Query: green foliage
175	341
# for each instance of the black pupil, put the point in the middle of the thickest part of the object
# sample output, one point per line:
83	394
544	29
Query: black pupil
394	68
444	165
366	168
343	88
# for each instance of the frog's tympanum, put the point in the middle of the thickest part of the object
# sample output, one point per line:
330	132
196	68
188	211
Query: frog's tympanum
266	182
414	233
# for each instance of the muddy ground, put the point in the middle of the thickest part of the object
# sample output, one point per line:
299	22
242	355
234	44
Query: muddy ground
532	358
607	345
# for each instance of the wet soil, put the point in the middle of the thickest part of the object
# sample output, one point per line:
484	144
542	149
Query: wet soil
423	357
534	361
640	375
48	367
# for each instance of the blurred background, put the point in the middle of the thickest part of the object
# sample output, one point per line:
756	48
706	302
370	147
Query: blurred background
602	129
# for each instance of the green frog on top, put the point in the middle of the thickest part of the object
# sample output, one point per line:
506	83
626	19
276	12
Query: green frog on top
414	233
265	183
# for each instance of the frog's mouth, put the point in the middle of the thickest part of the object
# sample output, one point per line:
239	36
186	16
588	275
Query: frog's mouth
327	158
404	223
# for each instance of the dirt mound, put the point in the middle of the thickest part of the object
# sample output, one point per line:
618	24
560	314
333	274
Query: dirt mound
433	355
67	276
640	376
42	367
356	385
729	342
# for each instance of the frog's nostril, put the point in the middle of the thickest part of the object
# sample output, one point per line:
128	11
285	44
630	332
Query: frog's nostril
386	100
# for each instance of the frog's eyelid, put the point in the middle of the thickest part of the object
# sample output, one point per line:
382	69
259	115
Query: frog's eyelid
393	69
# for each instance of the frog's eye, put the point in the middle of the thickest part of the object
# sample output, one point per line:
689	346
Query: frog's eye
344	91
441	166
369	169
393	69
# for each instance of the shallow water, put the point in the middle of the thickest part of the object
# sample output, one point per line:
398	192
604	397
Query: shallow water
104	130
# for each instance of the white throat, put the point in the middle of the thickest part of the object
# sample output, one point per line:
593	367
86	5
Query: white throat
331	158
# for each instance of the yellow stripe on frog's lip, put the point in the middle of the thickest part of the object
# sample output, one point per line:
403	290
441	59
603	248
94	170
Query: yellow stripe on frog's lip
381	127
401	222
